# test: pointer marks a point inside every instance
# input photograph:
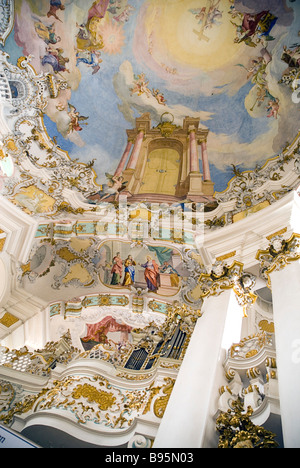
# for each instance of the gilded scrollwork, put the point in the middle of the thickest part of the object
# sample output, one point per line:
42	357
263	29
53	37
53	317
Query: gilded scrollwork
220	278
250	346
76	259
243	289
278	255
202	284
110	403
33	151
161	403
36	157
250	191
236	430
40	362
7	395
159	397
92	399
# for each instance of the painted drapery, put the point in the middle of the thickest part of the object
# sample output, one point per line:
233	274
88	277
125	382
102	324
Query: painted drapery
97	332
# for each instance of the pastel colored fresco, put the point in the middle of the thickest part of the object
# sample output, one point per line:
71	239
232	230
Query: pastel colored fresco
231	63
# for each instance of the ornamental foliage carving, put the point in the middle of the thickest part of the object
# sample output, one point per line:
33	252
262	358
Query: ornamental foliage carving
236	430
39	162
251	191
278	255
88	400
93	398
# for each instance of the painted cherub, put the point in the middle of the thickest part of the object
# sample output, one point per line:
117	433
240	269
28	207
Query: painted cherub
159	96
273	108
46	33
125	15
140	85
91	59
54	57
208	16
113	188
75	118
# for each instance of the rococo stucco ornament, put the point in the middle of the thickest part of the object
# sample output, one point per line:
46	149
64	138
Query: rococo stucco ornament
278	255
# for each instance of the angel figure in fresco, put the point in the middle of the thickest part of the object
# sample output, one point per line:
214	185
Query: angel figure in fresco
255	26
96	15
207	17
140	85
262	95
46	33
257	71
75	118
55	5
129	271
159	97
199	14
273	108
125	15
114	186
89	37
55	58
151	274
114	6
82	38
90	58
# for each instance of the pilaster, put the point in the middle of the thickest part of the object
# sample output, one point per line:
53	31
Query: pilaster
189	414
16	306
280	266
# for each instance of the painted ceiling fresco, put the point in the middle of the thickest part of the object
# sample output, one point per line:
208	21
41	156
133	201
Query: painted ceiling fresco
176	81
231	63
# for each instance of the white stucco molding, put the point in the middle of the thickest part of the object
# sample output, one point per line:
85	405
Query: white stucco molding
20	229
249	235
5	282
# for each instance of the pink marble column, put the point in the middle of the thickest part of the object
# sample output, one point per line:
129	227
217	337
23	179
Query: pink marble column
194	157
136	151
205	163
124	158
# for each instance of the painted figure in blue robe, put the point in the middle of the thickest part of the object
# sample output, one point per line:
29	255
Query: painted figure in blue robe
129	271
92	59
55	5
55	59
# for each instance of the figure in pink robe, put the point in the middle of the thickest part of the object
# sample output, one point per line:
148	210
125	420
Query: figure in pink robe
98	9
117	270
151	274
